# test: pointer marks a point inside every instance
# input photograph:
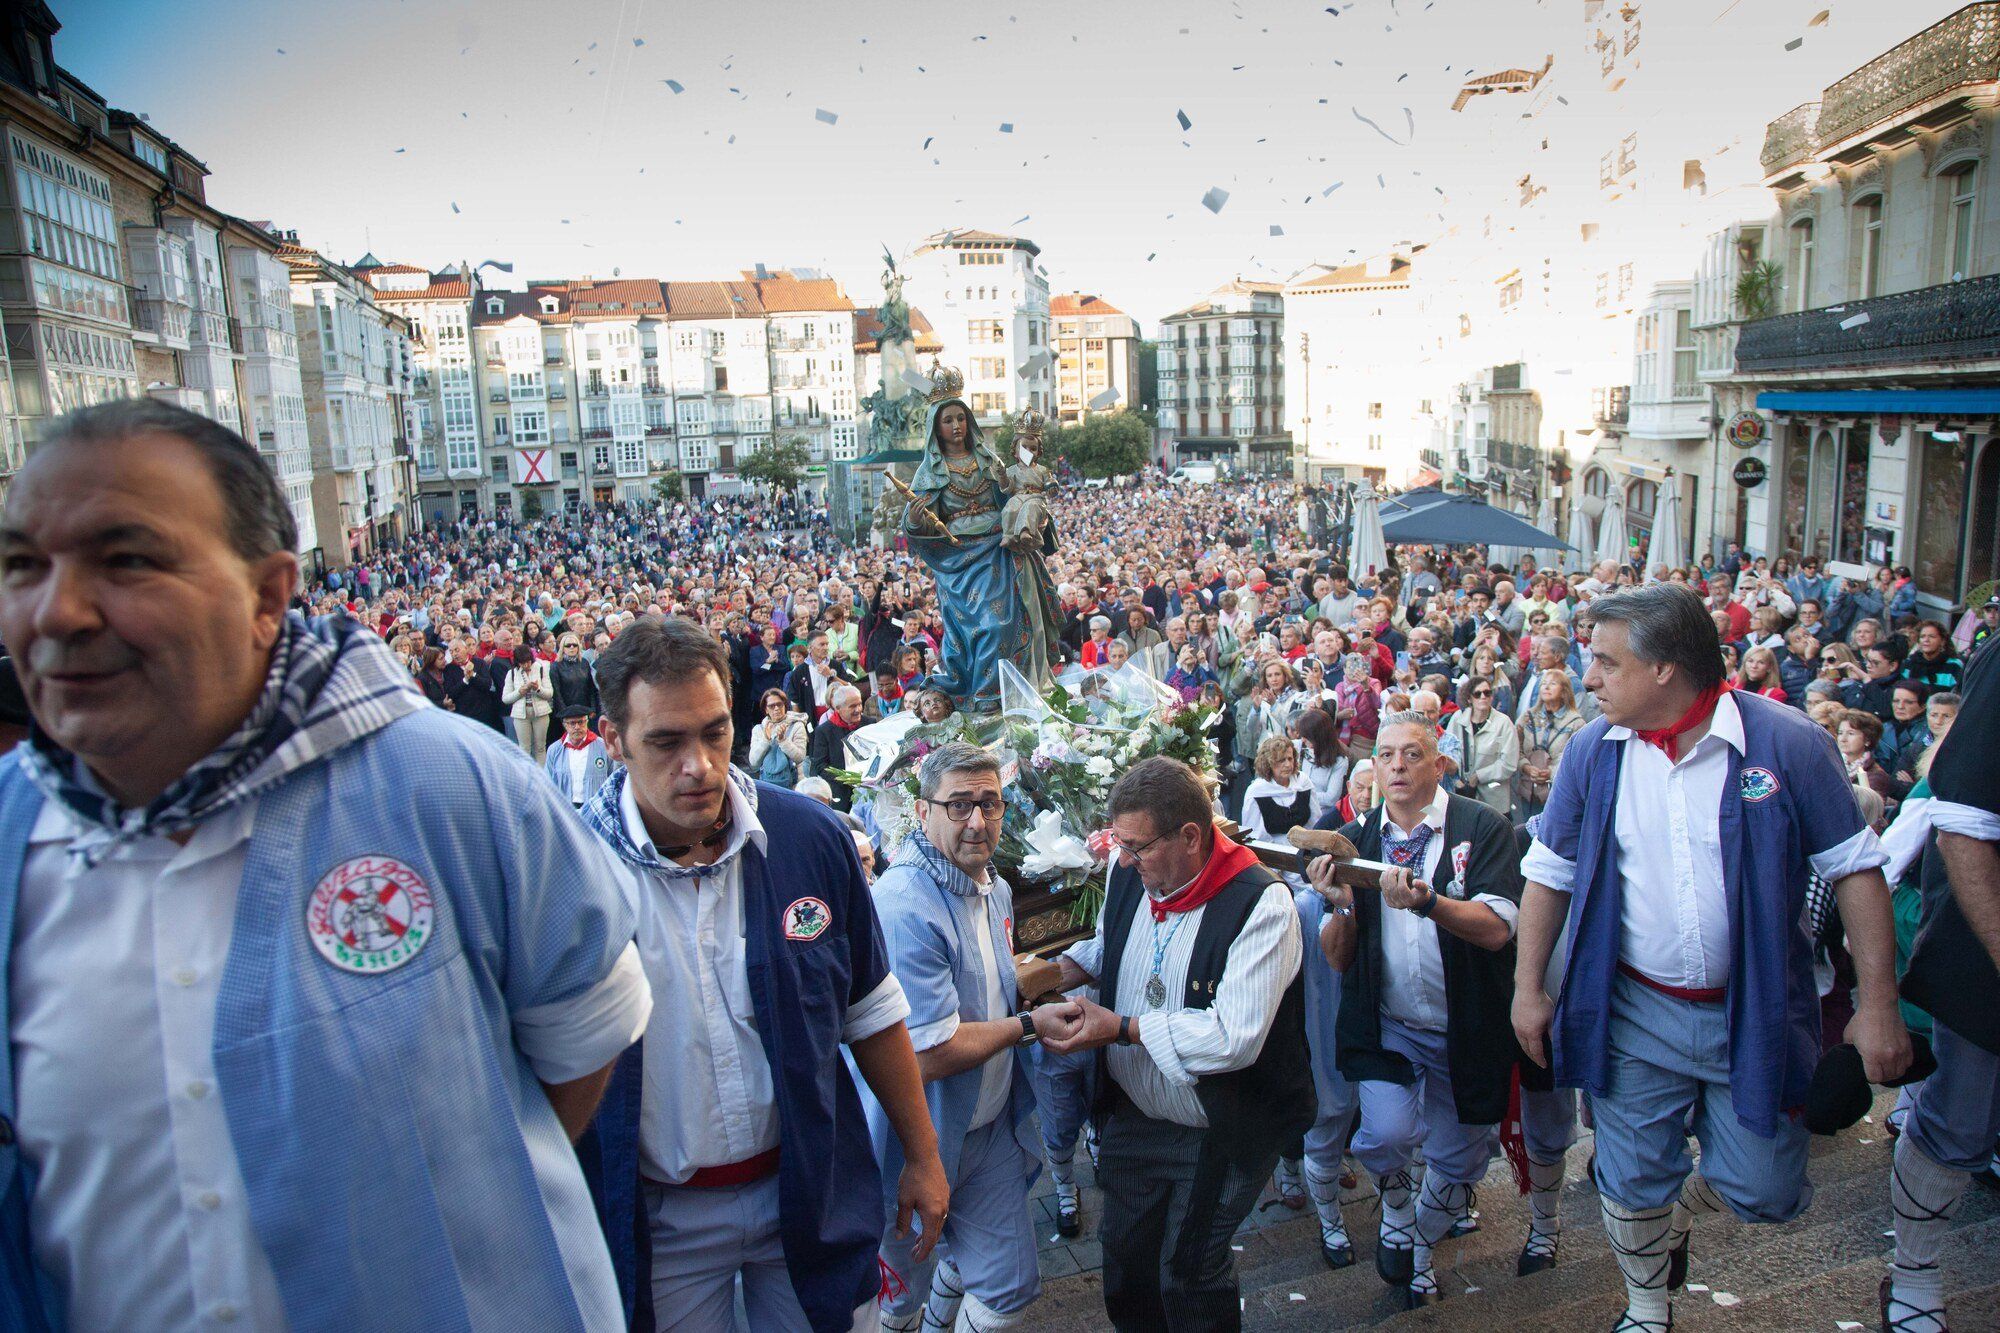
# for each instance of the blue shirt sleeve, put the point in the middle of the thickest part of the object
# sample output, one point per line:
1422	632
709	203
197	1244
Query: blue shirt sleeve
1551	860
868	956
1822	798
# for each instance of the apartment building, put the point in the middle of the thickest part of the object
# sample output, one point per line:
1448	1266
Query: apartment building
1096	354
1356	391
988	299
437	308
1222	381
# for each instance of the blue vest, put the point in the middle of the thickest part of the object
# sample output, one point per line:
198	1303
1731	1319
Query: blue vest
595	769
933	949
829	1186
404	1168
1786	798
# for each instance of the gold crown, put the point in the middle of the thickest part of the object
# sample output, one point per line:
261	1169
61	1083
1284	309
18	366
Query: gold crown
1030	426
945	382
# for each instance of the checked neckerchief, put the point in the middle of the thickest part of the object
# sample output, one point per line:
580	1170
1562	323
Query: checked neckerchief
1406	851
325	688
603	812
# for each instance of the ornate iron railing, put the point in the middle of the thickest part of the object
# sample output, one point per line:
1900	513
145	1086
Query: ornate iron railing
1960	50
1957	321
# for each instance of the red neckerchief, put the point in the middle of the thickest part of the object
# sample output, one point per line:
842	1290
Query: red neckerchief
584	744
1227	861
834	718
1698	712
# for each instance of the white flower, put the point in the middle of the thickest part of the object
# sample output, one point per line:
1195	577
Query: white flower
1099	766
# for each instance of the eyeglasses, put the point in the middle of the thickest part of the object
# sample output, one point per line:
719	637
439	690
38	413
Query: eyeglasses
1482	694
958	811
1134	852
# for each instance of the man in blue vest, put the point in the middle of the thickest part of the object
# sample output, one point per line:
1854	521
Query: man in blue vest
1954	974
1205	1076
579	764
1677	842
949	922
732	1142
305	985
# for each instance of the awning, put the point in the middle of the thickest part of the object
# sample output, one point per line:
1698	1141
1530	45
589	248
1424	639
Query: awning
1943	402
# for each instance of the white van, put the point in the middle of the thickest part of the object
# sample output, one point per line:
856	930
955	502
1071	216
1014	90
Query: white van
1193	474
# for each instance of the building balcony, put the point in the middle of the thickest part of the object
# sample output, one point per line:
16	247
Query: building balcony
659	430
1955	321
594	391
498	397
1612	406
1791	139
553	359
558	394
165	320
597	433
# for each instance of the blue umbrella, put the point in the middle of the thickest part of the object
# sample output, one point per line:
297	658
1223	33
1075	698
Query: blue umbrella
1461	520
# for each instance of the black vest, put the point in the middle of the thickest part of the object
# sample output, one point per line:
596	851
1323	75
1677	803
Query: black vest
1270	1101
1478	983
1282	819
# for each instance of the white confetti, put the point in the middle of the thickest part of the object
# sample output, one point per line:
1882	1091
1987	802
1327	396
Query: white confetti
825	117
1331	188
1696	1286
1848	1323
1854	321
1295	1296
1276	230
1236	1247
1215	199
1725	1299
1104	400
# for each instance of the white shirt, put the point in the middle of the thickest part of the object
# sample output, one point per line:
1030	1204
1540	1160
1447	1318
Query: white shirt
140	1213
1674	916
708	1098
579	764
1412	968
1176	1045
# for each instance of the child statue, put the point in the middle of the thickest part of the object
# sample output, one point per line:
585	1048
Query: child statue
1026	515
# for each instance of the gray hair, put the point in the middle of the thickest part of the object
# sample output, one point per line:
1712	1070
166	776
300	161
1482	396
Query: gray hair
258	516
952	757
1668	623
839	695
1409	717
816	787
1100	622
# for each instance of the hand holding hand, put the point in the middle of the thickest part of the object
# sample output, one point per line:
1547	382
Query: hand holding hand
1096	1026
1057	1021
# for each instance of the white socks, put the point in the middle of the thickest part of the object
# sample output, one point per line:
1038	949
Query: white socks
1287	1178
1545	1182
1324	1187
942	1310
1924	1197
1062	1170
1399	1213
979	1317
1642	1238
1439	1207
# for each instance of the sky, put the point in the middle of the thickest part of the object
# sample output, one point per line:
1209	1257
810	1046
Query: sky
819	135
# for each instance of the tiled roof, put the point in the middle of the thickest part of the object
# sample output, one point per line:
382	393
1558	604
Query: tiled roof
944	238
627	298
713	300
868	330
446	286
384	268
781	292
1504	81
1357	275
1076	303
514	305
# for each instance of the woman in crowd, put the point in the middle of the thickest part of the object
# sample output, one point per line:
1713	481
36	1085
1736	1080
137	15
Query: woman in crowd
1096	651
572	680
1932	662
1759	674
1839	664
1356	707
1489	747
1201	634
1485	669
1279	798
1321	758
1545	732
1858	736
431	678
778	741
531	700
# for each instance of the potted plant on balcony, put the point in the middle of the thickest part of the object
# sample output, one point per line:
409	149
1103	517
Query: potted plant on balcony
1757	289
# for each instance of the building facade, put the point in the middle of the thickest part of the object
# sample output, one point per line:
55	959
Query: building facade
1096	354
446	414
1222	381
988	299
1356	392
1874	396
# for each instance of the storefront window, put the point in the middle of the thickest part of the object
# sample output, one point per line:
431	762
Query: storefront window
1982	554
1940	513
1852	505
1825	474
1797	480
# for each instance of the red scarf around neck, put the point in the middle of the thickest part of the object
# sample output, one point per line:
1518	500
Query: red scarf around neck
584	744
1703	707
1228	860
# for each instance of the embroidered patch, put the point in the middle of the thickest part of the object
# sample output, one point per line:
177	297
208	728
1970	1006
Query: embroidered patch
369	914
1759	783
807	919
1460	856
1007	932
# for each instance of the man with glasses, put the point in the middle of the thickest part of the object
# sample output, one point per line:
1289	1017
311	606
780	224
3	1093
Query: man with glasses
1204	1076
949	922
1426	979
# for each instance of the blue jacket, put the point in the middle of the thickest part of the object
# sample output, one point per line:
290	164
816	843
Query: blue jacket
404	1167
936	958
829	1186
1786	799
595	769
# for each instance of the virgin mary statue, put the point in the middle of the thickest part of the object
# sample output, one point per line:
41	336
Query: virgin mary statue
995	596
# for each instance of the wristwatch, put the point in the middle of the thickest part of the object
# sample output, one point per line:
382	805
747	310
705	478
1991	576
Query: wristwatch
1124	1031
1428	905
1028	1034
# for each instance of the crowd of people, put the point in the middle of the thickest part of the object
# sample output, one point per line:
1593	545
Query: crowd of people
1643	850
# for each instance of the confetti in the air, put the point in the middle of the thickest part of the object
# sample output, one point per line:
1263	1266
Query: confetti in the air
1151	257
1819	21
1276	230
1104	400
454	206
281	50
1331	188
1215	199
927	142
1182	116
1795	43
402	150
1372	125
638	41
674	84
1019	220
825	117
1006	127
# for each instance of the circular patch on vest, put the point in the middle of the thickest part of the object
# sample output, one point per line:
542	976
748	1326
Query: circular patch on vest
1759	783
807	919
369	914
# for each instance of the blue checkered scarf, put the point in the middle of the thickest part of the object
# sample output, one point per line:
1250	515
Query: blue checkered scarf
917	850
603	813
325	688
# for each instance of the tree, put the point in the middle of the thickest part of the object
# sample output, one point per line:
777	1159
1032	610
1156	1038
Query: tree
781	465
1757	289
1106	444
668	487
531	506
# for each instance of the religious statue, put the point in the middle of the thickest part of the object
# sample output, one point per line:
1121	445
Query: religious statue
995	594
1026	516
